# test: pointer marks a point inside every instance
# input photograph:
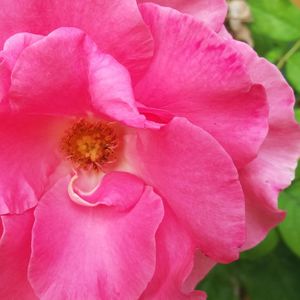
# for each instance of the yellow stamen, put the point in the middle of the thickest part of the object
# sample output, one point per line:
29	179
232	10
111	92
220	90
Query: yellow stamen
90	145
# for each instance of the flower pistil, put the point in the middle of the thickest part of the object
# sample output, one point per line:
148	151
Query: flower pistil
90	145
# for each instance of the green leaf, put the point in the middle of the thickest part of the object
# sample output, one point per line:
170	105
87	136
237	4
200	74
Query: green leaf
293	71
264	46
220	284
275	53
297	176
278	19
297	114
275	276
289	200
264	248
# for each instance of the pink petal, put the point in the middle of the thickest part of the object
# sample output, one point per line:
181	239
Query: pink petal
197	178
156	115
210	12
72	80
27	158
110	191
13	47
4	82
273	169
202	266
115	25
49	78
175	254
14	256
93	253
204	80
111	92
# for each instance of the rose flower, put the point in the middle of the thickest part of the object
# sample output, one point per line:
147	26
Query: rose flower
139	147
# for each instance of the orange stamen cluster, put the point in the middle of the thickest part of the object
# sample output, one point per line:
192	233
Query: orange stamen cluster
90	145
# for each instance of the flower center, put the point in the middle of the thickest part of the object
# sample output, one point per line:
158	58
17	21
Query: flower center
90	145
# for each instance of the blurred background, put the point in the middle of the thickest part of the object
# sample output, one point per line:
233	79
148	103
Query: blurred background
271	271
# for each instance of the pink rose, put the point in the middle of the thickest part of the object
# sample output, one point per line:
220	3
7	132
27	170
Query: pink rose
139	146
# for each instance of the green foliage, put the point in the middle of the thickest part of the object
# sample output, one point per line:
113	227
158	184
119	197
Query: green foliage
297	116
297	173
274	276
267	47
221	284
275	53
293	70
264	248
290	228
277	19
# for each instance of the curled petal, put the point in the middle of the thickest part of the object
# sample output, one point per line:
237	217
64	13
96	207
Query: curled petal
110	191
12	49
87	251
76	79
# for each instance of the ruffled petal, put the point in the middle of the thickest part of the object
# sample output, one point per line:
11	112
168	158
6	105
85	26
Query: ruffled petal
15	45
12	49
175	254
28	155
14	256
273	169
72	80
210	12
199	181
88	252
204	80
115	25
110	191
